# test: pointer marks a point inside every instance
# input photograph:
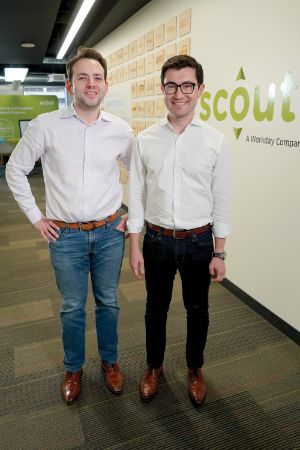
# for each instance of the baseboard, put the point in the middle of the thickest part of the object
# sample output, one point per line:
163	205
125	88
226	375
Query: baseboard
274	320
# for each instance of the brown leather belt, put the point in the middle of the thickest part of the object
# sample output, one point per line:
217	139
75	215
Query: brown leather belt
179	234
86	226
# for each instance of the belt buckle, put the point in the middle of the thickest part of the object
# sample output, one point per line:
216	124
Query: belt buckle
85	223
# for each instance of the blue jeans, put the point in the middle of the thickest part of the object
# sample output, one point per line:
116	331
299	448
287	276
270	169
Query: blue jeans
163	256
74	255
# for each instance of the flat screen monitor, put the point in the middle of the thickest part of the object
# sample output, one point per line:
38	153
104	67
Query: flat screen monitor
23	125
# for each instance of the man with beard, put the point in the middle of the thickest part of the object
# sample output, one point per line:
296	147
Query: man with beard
79	148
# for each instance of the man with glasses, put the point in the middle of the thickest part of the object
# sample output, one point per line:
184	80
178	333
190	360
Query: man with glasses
179	183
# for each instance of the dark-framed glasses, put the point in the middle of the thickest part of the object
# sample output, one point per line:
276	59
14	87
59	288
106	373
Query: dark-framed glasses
186	88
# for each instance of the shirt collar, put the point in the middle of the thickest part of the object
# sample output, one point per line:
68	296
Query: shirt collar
194	122
105	116
70	111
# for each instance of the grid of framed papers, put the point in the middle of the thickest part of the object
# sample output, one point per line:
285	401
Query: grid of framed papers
139	63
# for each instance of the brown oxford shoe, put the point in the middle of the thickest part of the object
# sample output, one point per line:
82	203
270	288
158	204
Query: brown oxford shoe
113	377
196	386
71	386
148	384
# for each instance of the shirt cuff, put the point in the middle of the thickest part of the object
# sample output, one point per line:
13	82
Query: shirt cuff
135	225
221	230
34	215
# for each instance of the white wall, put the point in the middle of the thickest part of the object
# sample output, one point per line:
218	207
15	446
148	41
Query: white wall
262	37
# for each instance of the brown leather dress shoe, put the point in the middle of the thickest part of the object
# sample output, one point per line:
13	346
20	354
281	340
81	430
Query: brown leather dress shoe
71	386
197	387
148	384
113	377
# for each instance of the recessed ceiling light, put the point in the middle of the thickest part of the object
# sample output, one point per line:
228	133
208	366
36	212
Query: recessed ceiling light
28	45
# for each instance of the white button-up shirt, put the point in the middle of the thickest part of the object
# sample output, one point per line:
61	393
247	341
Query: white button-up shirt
180	181
80	165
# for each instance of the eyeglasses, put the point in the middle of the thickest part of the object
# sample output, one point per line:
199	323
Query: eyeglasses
186	88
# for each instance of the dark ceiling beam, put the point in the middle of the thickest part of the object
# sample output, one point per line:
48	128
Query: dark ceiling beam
29	21
103	20
117	15
46	22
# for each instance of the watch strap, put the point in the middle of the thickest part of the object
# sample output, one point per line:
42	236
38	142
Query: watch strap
220	255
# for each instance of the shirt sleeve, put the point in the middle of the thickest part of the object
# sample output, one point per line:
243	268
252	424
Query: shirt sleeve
125	156
20	164
221	192
136	191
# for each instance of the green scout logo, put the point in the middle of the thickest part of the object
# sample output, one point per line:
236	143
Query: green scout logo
223	104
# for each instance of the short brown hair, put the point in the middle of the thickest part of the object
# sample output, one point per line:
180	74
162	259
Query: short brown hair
180	62
85	52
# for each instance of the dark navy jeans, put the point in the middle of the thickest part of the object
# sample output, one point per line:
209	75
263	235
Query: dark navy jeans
163	256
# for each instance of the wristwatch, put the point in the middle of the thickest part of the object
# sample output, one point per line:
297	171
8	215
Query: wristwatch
221	255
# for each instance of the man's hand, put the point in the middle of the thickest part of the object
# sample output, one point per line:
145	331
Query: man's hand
136	260
123	224
136	263
47	229
217	269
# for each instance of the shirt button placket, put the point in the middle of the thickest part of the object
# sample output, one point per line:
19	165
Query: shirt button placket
177	181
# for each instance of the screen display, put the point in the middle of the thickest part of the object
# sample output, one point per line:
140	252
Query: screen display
23	125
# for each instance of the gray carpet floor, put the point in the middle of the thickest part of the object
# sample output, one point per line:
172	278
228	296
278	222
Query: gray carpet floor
252	369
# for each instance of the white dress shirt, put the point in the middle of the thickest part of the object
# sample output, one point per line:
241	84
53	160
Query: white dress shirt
80	165
180	181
